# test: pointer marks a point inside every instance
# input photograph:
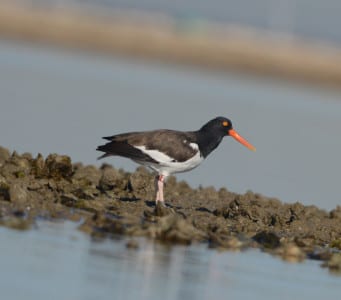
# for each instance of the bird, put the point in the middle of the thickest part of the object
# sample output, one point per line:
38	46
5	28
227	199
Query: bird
166	151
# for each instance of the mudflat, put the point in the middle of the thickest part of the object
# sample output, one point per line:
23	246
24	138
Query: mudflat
108	201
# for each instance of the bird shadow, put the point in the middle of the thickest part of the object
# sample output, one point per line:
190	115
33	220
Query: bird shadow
204	209
151	203
129	199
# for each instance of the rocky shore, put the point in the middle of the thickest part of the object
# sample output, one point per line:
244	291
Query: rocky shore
112	202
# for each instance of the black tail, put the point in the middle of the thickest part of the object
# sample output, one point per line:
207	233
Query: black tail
124	149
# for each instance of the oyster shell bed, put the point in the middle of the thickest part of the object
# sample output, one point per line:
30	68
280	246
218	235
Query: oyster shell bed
112	202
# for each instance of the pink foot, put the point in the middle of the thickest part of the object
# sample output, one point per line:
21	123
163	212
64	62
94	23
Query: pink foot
159	188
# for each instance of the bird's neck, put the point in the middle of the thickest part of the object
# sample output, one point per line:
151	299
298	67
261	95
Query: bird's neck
207	141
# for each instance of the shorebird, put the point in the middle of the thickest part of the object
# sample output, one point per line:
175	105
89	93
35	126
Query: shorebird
169	151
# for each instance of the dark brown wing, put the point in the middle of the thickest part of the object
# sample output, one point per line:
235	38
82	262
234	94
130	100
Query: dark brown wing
175	144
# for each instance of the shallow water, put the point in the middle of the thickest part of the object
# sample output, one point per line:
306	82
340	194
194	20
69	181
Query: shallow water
56	261
64	102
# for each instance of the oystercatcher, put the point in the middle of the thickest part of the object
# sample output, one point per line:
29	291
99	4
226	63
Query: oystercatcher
169	151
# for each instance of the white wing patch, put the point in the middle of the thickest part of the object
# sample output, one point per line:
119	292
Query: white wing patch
155	154
194	146
167	165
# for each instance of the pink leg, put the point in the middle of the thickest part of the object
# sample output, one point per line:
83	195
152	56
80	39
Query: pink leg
159	188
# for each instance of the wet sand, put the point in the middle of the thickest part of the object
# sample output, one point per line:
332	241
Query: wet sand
112	202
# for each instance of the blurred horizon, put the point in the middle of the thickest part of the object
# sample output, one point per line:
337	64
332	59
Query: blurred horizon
307	19
291	40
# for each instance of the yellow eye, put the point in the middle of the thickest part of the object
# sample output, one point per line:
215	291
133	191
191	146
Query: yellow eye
225	123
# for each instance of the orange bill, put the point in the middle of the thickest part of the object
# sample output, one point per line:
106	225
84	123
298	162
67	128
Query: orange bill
241	140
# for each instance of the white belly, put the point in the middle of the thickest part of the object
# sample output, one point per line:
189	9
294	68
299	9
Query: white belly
167	166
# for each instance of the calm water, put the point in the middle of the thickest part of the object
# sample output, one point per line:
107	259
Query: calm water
64	102
55	261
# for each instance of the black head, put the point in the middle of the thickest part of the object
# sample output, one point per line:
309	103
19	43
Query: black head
219	126
211	134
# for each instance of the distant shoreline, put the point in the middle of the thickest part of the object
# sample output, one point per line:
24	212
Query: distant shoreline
161	38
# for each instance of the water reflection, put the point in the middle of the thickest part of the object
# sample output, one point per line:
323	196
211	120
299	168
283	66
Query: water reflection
56	261
157	271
